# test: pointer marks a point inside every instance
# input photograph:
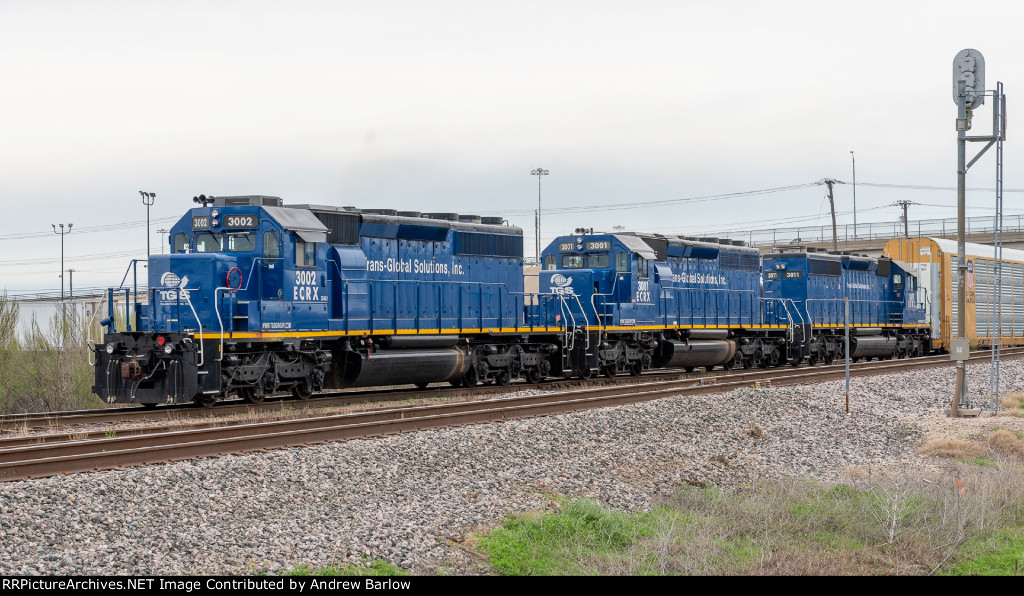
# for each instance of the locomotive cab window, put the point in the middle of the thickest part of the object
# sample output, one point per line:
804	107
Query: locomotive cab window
549	262
641	266
207	242
897	281
271	246
305	254
621	262
597	261
572	261
240	242
180	243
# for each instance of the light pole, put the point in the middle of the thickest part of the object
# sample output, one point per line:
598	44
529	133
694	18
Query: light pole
62	233
538	173
162	231
854	160
148	198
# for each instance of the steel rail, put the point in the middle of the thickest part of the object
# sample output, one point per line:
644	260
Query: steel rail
361	396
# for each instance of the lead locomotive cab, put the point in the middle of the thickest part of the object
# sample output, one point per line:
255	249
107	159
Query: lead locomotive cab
237	265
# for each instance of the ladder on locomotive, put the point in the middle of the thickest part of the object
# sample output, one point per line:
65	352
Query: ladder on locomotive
571	330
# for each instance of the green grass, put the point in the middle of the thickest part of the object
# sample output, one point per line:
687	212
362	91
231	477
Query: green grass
784	529
564	543
372	568
1001	554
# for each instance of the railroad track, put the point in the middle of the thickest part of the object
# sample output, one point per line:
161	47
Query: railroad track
20	461
55	420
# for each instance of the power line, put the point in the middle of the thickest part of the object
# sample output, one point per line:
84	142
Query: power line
642	204
88	230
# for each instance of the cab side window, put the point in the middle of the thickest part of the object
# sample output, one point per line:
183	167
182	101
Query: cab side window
549	262
621	262
271	245
641	266
180	243
305	254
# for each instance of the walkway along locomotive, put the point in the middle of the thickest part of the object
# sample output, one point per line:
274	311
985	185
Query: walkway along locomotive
258	298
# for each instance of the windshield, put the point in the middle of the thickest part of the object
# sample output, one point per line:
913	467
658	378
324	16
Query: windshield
229	242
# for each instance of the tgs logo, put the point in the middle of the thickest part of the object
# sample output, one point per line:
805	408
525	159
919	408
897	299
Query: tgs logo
562	285
171	280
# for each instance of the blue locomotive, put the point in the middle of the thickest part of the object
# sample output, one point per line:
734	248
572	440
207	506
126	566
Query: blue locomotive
886	310
259	298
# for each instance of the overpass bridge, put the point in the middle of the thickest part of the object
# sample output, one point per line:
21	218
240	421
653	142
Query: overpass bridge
871	237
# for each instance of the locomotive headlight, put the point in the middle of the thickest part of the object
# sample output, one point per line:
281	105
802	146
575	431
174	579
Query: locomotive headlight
110	348
215	212
168	349
214	222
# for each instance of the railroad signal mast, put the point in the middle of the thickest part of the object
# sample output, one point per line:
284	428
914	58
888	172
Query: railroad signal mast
969	94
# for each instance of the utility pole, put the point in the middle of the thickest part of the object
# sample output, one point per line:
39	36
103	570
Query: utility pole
906	222
831	201
163	242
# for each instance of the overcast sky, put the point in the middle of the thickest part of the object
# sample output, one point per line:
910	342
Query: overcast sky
448	106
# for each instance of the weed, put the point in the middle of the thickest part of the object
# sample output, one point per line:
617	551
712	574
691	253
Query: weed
367	567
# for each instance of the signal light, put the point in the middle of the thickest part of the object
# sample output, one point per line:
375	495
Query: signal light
161	340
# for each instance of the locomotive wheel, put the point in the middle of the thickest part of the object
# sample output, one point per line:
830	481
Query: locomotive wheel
747	363
813	360
795	362
533	376
709	368
636	369
204	400
586	373
249	395
471	379
608	370
301	393
456	382
503	378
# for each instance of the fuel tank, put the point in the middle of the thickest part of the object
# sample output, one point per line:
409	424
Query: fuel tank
701	352
402	367
861	347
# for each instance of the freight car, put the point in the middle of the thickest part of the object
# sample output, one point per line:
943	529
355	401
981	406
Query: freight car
934	262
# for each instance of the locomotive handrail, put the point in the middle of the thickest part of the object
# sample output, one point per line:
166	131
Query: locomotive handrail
678	292
188	299
88	333
855	317
133	267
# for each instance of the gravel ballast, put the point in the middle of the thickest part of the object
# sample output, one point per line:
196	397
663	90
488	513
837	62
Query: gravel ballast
405	499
